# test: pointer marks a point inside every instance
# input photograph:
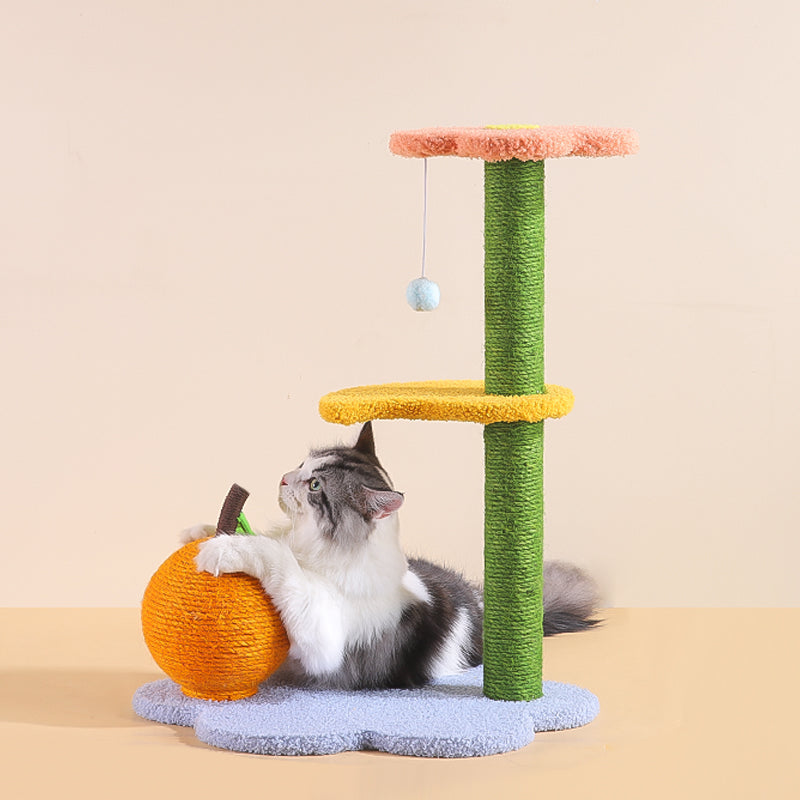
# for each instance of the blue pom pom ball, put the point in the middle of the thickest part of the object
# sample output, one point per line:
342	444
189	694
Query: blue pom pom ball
423	294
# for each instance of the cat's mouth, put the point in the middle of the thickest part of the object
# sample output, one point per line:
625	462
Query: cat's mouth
287	501
284	507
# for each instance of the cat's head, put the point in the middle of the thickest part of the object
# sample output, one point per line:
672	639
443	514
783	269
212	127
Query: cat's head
342	490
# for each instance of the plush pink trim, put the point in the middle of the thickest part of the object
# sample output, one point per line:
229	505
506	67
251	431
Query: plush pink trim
525	144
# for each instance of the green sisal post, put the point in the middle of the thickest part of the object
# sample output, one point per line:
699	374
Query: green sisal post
514	508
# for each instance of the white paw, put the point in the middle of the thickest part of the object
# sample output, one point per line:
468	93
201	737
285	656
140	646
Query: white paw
220	555
196	532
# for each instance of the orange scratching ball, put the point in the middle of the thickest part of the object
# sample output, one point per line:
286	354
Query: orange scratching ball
217	637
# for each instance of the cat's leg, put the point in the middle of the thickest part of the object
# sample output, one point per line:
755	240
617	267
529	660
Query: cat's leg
196	532
308	608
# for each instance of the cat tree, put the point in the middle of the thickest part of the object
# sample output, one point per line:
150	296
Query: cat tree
460	715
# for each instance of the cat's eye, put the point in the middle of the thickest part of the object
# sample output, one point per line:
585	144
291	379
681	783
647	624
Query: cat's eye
314	484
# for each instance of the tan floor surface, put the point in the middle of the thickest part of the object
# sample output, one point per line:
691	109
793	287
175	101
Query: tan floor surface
694	704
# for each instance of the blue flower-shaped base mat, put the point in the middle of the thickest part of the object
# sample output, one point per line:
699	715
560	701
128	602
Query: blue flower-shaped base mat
450	719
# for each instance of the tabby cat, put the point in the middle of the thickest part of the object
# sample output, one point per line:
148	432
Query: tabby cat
358	613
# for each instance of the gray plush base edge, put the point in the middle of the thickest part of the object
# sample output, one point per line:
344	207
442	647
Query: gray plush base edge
449	719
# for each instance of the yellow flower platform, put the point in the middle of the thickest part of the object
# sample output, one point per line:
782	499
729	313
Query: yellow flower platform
461	401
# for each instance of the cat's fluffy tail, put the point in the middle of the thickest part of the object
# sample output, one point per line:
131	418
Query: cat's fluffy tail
570	598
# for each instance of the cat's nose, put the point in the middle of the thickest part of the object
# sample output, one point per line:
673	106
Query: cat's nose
283	481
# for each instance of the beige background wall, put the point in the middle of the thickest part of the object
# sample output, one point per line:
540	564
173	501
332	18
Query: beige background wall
202	231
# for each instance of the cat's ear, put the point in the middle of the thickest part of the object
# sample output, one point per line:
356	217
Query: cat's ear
366	441
379	503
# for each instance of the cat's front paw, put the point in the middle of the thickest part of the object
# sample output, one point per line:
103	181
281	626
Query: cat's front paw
220	555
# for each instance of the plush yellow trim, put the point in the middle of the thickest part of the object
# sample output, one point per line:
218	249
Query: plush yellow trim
463	401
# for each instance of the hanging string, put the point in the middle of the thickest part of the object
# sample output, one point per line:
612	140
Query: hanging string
424	212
